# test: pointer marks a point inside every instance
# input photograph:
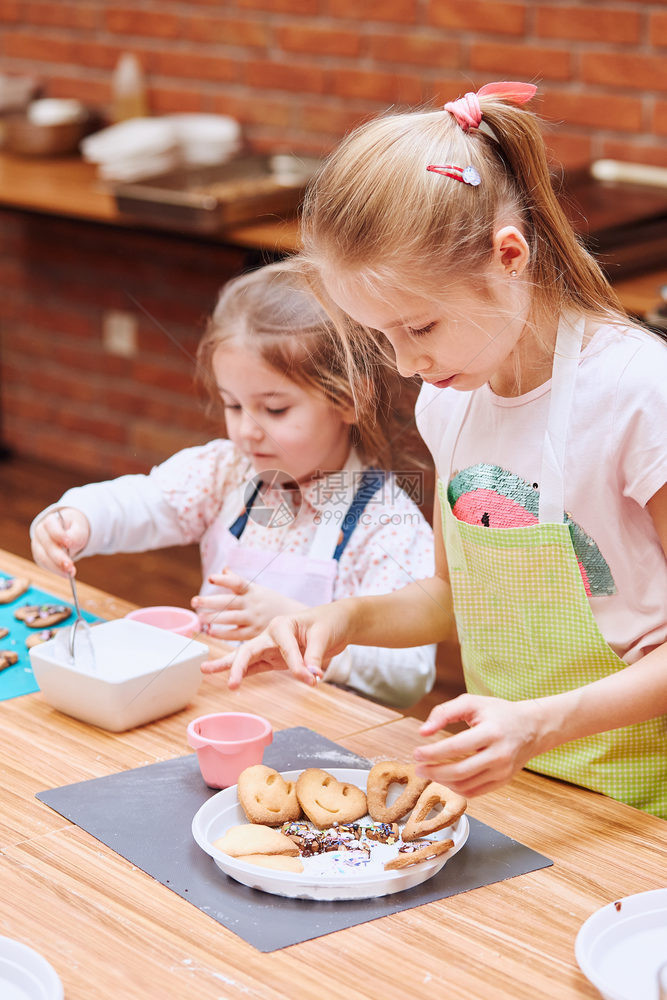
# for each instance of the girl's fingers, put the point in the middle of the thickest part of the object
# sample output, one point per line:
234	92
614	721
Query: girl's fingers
52	556
223	618
213	604
252	652
461	709
232	581
452	747
216	666
317	649
284	632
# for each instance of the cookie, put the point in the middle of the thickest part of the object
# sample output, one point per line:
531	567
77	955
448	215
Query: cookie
326	801
282	862
3	632
39	637
380	778
42	615
8	658
251	838
424	854
12	587
266	797
419	825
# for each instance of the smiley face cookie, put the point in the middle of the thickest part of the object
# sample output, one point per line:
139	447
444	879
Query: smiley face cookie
42	615
12	587
266	797
326	801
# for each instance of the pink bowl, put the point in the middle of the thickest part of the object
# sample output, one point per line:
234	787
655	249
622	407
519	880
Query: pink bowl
178	620
227	743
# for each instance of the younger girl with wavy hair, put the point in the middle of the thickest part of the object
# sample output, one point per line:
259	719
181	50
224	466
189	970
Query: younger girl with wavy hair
292	507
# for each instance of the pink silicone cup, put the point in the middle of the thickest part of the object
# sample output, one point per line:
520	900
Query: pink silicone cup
178	620
227	743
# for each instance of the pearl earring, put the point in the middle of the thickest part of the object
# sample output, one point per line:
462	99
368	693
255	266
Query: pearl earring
513	274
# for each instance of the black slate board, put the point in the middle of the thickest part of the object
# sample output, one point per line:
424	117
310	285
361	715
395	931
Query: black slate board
145	815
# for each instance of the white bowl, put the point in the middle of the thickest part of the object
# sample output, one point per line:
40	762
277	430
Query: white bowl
140	673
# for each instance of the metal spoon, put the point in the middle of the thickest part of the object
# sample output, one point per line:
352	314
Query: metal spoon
79	617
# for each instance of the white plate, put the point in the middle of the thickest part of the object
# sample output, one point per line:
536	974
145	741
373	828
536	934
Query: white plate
324	876
25	975
621	946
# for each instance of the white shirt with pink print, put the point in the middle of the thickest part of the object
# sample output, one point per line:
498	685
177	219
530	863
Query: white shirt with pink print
615	461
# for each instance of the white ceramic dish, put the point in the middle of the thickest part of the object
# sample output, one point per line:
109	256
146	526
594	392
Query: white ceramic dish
140	673
319	879
621	946
25	974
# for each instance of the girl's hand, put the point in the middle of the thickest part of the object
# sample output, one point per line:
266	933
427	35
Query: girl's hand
302	643
501	738
243	610
58	538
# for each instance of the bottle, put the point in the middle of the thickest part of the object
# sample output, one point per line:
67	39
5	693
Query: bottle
128	89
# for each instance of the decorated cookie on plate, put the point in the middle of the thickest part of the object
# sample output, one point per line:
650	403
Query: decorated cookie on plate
42	615
12	587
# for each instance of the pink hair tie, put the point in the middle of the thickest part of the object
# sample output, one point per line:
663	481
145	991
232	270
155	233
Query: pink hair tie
467	111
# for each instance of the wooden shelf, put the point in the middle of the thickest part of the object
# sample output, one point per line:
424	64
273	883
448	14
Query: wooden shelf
69	187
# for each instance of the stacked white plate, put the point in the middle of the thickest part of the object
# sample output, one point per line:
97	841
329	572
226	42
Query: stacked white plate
144	147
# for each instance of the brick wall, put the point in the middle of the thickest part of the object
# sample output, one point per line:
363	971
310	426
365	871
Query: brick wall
298	73
64	399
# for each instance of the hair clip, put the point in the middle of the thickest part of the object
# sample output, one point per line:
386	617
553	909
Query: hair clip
467	175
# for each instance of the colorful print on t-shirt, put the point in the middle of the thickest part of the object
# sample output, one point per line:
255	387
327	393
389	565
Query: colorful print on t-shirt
493	497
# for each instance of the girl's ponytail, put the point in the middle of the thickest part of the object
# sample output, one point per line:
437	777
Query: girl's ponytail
561	267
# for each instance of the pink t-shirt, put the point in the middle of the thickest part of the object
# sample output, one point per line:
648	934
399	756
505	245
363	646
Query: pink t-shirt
616	460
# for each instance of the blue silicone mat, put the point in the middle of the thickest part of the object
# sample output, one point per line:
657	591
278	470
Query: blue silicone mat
19	679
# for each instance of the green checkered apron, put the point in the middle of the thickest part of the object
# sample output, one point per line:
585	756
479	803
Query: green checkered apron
524	620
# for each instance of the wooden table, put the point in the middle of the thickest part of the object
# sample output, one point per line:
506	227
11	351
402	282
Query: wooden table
112	931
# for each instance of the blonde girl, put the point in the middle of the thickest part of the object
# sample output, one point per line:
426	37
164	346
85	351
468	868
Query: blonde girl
544	408
291	509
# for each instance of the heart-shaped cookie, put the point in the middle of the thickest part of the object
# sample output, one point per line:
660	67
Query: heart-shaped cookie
266	797
380	778
434	795
326	801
